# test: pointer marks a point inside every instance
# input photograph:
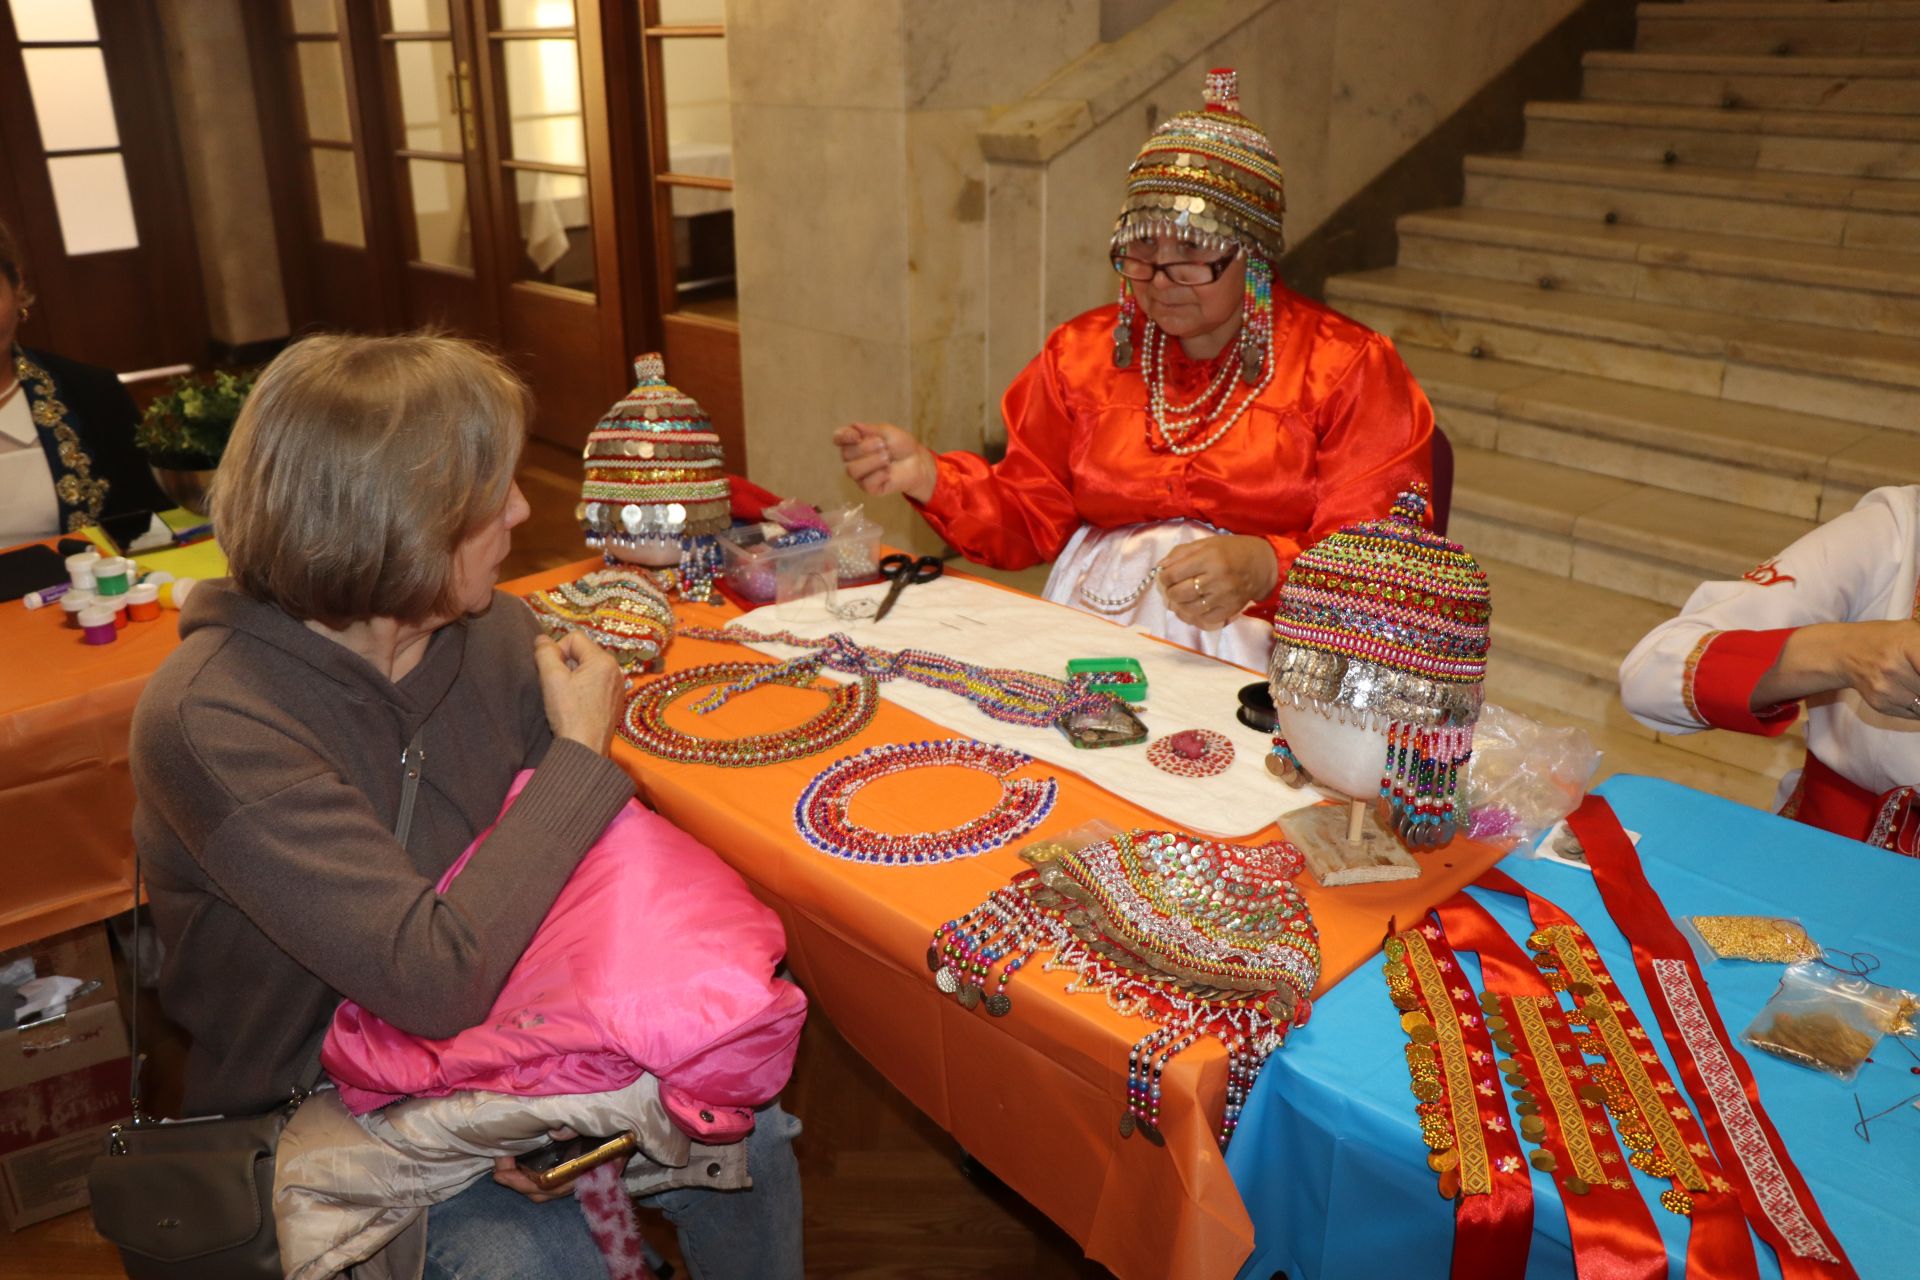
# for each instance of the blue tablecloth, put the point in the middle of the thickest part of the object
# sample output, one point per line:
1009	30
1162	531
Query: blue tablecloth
1328	1157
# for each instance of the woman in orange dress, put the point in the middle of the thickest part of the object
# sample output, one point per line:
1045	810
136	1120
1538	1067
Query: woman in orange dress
1171	454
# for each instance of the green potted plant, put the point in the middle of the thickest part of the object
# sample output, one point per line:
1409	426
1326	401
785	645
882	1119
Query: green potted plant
185	429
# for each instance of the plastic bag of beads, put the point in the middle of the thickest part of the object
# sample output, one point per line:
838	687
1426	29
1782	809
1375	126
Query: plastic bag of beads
1824	1018
856	544
1764	939
1526	776
1047	848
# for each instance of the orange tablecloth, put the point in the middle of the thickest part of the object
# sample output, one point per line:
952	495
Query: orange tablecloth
66	796
1036	1095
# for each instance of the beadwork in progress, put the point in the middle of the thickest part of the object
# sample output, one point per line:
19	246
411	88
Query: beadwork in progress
821	813
618	609
849	709
1192	753
1200	937
1120	603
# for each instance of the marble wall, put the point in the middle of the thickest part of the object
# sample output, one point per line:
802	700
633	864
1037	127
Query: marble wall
925	188
226	169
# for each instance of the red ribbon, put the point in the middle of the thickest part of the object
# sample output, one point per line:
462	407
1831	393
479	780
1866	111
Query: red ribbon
1612	1232
1770	1189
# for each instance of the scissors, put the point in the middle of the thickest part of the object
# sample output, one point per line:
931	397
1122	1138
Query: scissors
904	570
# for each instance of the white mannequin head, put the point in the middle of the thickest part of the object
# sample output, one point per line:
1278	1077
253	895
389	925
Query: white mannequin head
1338	757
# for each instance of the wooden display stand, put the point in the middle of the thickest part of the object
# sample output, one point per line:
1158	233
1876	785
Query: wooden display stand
1341	847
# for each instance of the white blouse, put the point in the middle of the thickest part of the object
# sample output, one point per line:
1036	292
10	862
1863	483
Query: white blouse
28	507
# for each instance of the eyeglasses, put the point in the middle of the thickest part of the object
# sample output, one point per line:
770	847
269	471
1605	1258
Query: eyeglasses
1188	273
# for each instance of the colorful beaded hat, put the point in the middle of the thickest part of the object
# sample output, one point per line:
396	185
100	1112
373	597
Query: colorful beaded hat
654	468
1208	176
618	609
1383	624
1200	937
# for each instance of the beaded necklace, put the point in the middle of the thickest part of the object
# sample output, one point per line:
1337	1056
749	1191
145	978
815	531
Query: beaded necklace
1118	604
1002	693
821	813
849	710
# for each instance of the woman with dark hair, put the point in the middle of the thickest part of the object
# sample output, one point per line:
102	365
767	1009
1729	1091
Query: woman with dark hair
67	456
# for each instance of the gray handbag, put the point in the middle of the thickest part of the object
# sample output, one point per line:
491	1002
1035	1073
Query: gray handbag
193	1199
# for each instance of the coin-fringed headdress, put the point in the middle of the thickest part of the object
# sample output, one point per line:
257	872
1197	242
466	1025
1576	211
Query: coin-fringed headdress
1209	177
618	609
655	476
1384	624
1200	937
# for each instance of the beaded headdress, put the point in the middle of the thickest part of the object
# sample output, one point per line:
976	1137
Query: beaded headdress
1209	177
1384	624
655	476
1200	937
618	609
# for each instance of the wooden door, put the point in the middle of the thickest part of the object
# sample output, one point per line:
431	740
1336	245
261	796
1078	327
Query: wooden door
91	182
484	189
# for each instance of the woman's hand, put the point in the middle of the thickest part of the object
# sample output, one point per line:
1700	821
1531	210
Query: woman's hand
1878	660
881	458
582	686
1207	583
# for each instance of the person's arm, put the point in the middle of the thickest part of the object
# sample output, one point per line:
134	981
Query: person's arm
1742	654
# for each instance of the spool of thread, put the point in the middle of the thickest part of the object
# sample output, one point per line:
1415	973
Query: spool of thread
80	569
173	595
119	606
96	624
143	602
111	576
45	596
73	602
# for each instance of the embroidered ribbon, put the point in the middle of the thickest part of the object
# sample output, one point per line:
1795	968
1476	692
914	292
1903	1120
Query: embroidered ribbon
1771	1191
1611	1230
1493	1214
1662	1135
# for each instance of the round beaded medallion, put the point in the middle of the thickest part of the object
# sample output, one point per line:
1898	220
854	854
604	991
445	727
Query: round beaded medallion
1192	753
820	815
849	710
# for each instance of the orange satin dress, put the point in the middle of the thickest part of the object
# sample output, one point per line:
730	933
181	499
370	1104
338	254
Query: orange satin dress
1340	431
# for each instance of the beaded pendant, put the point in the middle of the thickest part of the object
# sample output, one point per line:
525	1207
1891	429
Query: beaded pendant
1202	938
821	813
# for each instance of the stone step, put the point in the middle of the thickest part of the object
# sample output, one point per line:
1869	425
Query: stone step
1794	464
1863	213
1782	29
1744	81
1882	146
1558	643
1636	539
1868	377
1849	288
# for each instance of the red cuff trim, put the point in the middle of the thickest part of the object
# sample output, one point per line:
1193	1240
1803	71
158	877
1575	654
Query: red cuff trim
1724	677
1284	550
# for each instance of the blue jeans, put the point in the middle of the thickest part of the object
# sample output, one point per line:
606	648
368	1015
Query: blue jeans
490	1233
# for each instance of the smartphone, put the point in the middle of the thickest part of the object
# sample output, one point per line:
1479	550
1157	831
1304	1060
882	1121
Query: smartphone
558	1163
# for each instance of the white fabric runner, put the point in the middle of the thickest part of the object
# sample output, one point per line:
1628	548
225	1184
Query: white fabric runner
982	624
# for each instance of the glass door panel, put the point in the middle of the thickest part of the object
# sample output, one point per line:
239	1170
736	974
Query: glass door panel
545	166
442	224
433	130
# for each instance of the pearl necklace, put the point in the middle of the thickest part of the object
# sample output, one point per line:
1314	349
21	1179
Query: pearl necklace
1175	432
1118	604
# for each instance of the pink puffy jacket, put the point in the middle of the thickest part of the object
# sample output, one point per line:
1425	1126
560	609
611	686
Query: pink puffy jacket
655	958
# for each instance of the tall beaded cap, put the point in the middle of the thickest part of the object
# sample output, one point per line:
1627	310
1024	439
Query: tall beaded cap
1210	176
654	468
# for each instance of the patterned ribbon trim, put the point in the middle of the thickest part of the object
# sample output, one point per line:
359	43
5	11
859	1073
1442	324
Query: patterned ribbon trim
1692	671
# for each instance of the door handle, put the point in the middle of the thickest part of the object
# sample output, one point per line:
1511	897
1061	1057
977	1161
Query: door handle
469	130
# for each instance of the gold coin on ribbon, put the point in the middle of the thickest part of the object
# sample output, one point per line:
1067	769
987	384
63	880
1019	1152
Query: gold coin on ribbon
1581	989
1575	1186
1424	1034
1450	1184
1674	1200
1441	1161
1517	1080
1489	1002
1496	1023
1408	1021
1528	1108
1533	1128
1651	1163
1523	1096
1508	1064
1405	1000
1592	1093
1544	1160
1428	1090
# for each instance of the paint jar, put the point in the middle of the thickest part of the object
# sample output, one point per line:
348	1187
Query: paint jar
173	594
80	569
112	576
96	624
73	602
119	606
143	602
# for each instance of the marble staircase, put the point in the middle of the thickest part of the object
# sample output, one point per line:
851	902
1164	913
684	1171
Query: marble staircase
1670	335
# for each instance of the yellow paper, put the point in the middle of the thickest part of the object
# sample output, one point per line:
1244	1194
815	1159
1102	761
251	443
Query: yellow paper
199	560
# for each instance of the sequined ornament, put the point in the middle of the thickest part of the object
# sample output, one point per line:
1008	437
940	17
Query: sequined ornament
655	480
821	813
621	610
849	709
1202	938
1384	625
1192	753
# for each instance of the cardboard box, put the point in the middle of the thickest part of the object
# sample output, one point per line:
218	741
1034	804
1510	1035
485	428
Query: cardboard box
63	1084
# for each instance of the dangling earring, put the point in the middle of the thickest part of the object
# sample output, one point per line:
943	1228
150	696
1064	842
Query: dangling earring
1256	320
1123	327
24	313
